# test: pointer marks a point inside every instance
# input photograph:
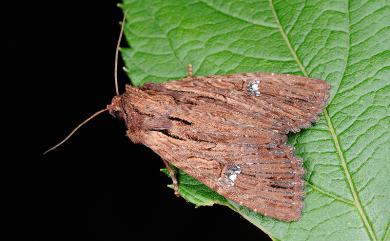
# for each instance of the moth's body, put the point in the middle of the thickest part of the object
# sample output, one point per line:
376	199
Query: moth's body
229	132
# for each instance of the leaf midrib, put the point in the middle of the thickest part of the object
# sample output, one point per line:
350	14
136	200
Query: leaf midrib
343	161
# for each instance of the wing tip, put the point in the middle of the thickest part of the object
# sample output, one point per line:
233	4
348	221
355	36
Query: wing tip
316	115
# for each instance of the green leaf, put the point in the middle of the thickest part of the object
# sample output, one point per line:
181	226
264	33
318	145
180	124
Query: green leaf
347	43
195	192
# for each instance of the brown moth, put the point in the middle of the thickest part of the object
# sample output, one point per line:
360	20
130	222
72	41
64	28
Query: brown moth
229	132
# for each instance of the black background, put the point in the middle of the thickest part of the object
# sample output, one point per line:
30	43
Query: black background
98	186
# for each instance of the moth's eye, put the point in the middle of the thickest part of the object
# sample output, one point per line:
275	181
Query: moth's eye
117	113
254	87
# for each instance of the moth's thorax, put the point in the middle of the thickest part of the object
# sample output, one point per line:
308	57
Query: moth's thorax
141	113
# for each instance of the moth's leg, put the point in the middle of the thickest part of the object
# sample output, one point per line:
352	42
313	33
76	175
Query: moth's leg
189	71
173	177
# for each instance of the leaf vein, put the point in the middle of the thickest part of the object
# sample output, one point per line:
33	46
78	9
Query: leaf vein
264	25
344	164
386	235
167	37
348	177
330	194
286	39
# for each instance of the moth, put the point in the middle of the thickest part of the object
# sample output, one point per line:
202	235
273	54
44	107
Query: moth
229	132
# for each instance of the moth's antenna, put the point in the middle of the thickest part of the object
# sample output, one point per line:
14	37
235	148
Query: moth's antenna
105	109
75	129
117	53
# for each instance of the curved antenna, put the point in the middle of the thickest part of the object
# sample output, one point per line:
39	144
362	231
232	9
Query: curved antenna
105	109
117	54
75	129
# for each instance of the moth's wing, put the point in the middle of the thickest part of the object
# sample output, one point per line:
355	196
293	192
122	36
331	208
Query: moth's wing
214	129
264	178
286	102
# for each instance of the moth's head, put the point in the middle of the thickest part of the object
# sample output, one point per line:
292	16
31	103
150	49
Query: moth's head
115	108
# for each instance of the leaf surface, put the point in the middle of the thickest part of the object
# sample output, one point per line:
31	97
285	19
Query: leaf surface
347	43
